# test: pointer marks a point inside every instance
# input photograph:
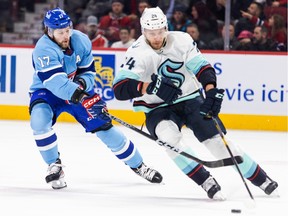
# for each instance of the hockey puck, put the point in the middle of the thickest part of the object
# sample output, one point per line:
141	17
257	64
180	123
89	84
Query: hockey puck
236	210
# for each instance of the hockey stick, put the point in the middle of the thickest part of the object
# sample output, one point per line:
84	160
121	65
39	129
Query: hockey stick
211	164
231	154
226	145
209	115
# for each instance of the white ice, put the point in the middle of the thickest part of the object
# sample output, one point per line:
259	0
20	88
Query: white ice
100	184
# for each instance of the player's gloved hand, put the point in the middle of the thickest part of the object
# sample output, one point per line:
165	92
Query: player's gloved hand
164	88
81	82
95	107
79	92
212	103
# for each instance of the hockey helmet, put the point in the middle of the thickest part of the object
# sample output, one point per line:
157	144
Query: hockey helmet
57	19
153	18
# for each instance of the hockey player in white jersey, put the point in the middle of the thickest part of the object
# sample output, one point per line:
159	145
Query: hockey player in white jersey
163	72
64	81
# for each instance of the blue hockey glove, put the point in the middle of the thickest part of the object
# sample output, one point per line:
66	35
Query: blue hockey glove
164	88
95	107
212	103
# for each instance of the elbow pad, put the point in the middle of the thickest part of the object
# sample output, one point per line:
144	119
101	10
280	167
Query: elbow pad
207	76
128	89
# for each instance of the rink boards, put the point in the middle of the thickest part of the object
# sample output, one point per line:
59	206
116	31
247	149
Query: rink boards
255	86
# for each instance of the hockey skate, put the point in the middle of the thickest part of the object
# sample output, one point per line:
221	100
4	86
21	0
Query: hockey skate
269	187
147	173
55	175
213	189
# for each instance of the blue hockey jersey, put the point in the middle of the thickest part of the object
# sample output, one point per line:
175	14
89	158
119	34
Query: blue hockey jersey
55	69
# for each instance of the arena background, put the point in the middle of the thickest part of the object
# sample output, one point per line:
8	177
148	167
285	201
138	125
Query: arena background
255	86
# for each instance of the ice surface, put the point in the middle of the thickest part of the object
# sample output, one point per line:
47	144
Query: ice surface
99	184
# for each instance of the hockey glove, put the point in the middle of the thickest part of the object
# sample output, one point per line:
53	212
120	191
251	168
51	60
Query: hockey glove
164	88
95	107
212	103
79	92
80	81
78	95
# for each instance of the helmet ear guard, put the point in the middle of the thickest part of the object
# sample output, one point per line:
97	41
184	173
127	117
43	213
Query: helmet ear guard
153	18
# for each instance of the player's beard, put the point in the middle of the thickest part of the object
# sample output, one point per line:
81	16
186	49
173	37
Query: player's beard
64	44
158	44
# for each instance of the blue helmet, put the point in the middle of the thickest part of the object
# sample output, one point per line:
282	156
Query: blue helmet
57	19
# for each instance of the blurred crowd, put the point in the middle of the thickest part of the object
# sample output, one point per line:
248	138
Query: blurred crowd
257	25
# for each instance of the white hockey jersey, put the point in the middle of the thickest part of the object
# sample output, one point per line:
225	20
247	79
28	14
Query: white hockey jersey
179	59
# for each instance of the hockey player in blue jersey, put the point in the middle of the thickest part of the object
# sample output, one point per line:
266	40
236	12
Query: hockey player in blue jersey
163	72
64	81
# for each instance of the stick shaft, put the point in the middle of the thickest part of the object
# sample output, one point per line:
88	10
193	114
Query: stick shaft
211	164
232	157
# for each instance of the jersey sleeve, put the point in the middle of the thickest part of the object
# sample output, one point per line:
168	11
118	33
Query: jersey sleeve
197	64
133	72
46	61
85	67
127	84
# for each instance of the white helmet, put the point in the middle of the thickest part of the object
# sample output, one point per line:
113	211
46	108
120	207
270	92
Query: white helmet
153	18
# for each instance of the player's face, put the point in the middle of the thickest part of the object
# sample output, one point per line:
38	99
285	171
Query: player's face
62	37
155	37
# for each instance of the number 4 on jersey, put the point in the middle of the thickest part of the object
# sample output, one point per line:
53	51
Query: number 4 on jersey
130	63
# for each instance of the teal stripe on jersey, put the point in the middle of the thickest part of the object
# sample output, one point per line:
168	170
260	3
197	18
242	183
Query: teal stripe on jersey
146	109
125	74
195	64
